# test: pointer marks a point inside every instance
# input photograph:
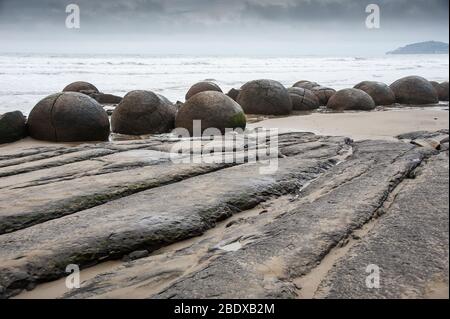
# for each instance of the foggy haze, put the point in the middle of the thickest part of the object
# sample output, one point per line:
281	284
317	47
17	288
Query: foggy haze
219	27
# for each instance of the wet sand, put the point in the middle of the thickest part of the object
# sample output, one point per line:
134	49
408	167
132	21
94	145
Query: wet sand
384	124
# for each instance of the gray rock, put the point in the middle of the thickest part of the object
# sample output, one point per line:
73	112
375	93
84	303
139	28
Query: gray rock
68	117
265	97
80	86
143	112
381	93
441	90
103	98
234	93
304	84
303	99
202	87
214	110
323	94
12	127
414	90
351	99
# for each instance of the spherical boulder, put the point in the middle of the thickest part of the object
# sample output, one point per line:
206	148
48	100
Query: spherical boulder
202	87
351	99
323	93
304	84
81	86
381	93
143	112
414	90
68	117
215	110
302	99
12	127
265	97
441	90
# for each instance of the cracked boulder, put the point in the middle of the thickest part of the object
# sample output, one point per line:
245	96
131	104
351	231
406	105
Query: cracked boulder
143	112
351	99
323	94
215	110
68	117
202	87
80	87
303	99
381	93
12	127
265	97
414	90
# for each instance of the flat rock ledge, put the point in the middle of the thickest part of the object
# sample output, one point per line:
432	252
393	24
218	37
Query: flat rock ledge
195	230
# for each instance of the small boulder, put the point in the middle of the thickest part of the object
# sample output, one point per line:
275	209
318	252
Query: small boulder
143	112
414	90
351	99
68	117
214	110
234	93
81	87
381	93
303	99
265	97
323	94
304	84
441	90
105	98
12	127
202	87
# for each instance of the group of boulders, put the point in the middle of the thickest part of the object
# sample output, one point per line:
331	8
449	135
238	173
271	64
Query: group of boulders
76	114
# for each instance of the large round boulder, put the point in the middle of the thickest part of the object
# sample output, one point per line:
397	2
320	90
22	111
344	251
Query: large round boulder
202	87
81	86
215	110
303	99
414	90
68	117
381	93
351	99
12	127
304	84
441	90
143	112
266	97
323	93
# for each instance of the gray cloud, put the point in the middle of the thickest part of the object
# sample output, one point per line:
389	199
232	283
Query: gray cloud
242	21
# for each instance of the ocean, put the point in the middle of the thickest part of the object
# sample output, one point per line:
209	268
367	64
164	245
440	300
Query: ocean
25	79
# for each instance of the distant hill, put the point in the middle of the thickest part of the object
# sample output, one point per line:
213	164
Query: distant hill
429	47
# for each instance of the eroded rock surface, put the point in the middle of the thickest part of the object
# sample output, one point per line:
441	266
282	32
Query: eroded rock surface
198	230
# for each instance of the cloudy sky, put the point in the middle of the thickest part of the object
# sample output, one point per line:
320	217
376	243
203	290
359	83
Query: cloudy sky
229	27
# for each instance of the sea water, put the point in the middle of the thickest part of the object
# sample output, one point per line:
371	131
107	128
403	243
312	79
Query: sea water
25	79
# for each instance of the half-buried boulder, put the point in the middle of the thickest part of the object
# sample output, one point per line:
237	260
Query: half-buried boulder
414	90
81	86
351	99
143	112
68	117
441	90
266	97
381	93
303	99
323	93
215	110
12	127
202	87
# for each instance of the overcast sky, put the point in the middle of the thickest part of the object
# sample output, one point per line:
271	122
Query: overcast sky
231	27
